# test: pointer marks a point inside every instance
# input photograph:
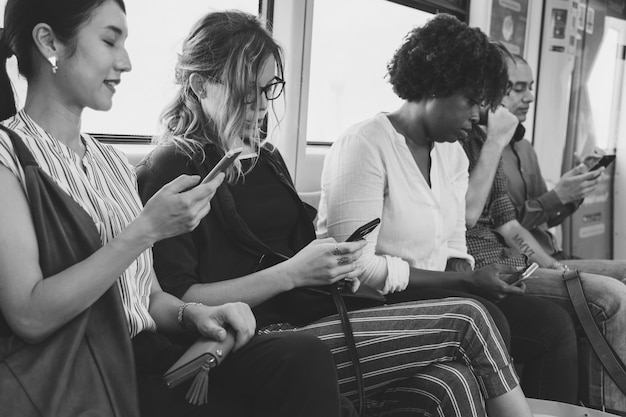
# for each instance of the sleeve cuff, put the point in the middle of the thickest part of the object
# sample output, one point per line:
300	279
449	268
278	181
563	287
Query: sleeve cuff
397	275
551	202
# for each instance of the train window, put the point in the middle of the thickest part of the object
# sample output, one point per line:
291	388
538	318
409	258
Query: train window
601	86
156	31
352	41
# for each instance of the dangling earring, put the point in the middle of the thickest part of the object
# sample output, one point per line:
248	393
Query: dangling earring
53	62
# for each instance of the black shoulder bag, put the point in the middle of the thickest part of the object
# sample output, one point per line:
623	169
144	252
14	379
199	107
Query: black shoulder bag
87	366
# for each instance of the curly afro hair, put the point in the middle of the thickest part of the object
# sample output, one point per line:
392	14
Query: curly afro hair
445	57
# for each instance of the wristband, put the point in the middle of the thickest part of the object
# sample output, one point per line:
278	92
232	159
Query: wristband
181	314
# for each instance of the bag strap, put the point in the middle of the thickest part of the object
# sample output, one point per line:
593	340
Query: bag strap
24	155
351	344
611	362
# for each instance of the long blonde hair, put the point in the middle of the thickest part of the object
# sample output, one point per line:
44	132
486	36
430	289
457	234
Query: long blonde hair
228	48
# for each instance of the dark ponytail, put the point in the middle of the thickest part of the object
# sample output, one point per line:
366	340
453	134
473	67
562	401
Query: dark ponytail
7	99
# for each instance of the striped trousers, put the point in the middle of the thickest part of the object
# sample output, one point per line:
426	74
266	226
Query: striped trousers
435	357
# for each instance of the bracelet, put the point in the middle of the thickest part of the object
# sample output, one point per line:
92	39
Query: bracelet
181	314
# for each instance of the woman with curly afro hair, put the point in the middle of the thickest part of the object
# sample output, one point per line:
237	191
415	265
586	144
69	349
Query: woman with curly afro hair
407	168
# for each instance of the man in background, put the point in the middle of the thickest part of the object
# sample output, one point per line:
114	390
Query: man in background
537	208
496	236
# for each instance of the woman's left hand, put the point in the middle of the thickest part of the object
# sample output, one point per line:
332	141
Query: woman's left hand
486	282
212	322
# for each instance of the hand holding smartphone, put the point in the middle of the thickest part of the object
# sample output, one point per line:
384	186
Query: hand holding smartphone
226	161
518	277
603	162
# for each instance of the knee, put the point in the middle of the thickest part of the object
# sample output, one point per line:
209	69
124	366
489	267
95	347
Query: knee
473	309
500	320
451	385
557	326
606	296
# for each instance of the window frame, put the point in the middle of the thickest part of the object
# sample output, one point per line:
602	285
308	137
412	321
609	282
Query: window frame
457	8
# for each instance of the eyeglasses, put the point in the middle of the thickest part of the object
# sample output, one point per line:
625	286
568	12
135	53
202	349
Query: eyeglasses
271	91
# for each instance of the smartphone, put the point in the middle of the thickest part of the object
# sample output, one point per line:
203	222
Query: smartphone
603	162
364	230
520	276
226	161
359	234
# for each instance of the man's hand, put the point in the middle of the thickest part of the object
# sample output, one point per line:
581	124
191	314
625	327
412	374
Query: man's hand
577	183
501	127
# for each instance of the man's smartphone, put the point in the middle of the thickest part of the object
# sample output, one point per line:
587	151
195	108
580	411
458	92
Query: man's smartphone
364	230
520	276
226	161
605	161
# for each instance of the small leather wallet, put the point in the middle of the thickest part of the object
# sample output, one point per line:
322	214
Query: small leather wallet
204	355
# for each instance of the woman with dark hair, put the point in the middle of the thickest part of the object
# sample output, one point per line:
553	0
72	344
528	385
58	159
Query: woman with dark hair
416	358
408	168
69	314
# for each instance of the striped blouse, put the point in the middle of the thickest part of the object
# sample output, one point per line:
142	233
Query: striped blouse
105	186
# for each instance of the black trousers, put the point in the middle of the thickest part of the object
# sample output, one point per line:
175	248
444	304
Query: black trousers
539	334
274	375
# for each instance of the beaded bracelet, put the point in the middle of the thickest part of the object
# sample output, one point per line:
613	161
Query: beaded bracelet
181	314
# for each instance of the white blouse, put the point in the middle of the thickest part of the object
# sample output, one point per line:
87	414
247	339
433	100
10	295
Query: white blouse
105	186
370	172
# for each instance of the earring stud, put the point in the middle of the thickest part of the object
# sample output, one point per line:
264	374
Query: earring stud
53	62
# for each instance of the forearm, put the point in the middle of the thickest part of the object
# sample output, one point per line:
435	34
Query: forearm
164	309
450	280
520	239
34	305
211	322
480	181
252	289
56	300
